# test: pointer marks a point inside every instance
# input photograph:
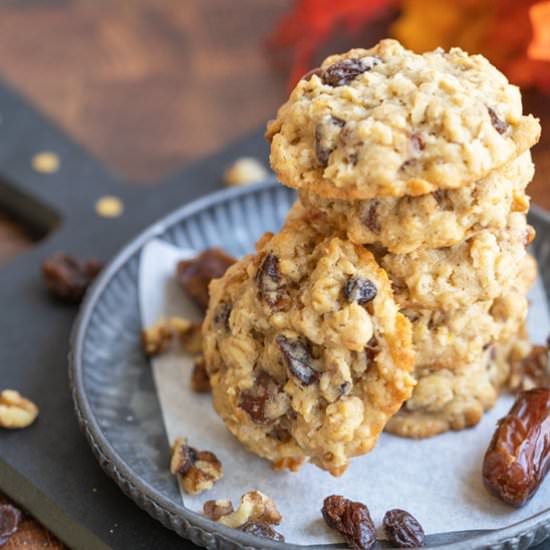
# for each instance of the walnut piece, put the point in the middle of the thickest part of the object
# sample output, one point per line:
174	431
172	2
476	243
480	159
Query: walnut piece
158	338
215	509
243	171
16	411
530	367
254	507
196	471
200	381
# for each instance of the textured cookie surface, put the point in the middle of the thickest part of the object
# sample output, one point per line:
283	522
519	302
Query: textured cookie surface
446	400
307	352
446	338
389	122
480	268
434	220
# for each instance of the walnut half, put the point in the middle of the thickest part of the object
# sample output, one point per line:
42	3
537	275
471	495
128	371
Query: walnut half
16	411
196	471
254	507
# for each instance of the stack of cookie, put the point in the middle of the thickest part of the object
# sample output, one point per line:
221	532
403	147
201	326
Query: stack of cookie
424	161
400	268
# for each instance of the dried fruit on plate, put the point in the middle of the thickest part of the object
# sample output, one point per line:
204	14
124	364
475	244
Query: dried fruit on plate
351	519
10	517
403	529
67	278
195	275
518	457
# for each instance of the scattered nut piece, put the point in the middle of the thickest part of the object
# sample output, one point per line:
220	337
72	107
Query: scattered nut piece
195	275
16	411
518	457
254	507
10	517
160	336
262	530
215	509
403	529
200	381
68	278
351	519
243	171
197	471
531	369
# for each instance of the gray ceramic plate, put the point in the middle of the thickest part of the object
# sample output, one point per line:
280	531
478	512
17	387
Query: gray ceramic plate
115	396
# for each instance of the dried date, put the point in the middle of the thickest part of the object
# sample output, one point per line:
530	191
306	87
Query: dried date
68	278
194	275
10	517
403	529
298	358
351	519
518	457
359	290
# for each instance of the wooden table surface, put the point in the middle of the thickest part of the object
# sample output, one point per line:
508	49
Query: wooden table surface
148	85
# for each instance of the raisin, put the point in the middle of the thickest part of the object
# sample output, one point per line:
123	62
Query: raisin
360	290
344	388
371	350
439	195
314	72
326	138
10	517
298	358
254	401
371	218
269	281
518	457
194	275
68	278
417	141
351	519
221	316
403	529
345	71
200	381
499	125
262	529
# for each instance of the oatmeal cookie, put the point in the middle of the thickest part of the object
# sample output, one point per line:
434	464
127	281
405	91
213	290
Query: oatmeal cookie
446	338
307	353
434	220
481	268
446	400
390	122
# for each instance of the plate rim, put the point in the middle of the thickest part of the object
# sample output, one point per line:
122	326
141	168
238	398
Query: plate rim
175	516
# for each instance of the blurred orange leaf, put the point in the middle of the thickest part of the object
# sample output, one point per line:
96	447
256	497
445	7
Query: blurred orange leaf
539	48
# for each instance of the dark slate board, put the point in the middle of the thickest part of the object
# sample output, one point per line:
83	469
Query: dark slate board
49	469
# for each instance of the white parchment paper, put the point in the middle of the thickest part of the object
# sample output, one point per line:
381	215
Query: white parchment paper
438	480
